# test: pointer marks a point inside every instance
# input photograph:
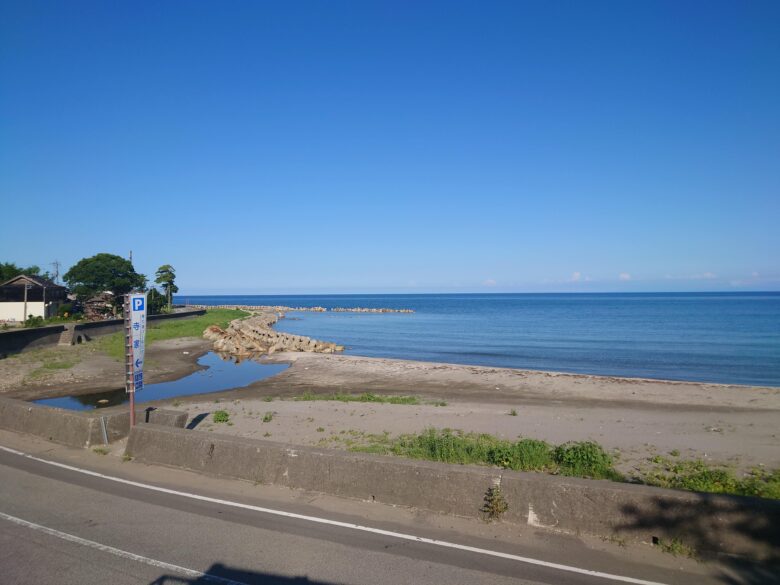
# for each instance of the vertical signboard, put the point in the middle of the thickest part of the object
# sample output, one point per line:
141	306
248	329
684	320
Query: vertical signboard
137	334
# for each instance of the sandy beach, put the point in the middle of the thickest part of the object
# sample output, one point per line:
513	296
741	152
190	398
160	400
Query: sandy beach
637	419
634	418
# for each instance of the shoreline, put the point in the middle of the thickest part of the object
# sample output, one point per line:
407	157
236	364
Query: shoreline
732	428
640	417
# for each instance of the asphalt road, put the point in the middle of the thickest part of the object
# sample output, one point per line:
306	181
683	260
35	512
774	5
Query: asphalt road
61	526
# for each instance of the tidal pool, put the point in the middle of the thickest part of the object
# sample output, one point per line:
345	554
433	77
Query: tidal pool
220	374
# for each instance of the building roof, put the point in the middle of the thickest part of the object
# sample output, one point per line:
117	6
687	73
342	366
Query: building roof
23	279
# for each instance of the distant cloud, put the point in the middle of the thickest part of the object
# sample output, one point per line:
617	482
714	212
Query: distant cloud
755	274
576	276
704	276
489	282
624	276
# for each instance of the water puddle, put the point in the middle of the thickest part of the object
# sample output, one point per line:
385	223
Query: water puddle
220	374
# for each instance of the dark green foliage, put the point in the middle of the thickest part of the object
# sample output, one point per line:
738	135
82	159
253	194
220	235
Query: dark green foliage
584	459
448	446
9	269
699	476
166	275
104	272
156	302
33	321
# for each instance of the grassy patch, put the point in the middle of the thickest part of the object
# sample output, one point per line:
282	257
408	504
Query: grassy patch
113	344
268	417
101	450
365	397
52	363
574	459
585	459
221	416
676	548
698	476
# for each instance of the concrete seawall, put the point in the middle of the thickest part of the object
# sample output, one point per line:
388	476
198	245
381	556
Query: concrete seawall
78	429
18	340
707	522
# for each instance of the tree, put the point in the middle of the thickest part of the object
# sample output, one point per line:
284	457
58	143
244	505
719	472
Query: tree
166	276
104	272
155	301
9	269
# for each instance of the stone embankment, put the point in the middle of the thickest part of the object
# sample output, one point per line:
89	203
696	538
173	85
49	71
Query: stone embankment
283	309
254	336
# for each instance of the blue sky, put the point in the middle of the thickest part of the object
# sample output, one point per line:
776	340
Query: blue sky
271	147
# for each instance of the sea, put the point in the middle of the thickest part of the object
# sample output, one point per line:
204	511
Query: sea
728	338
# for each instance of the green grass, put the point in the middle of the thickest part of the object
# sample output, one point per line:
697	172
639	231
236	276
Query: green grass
676	548
584	459
113	344
221	416
574	459
365	397
53	363
698	476
268	417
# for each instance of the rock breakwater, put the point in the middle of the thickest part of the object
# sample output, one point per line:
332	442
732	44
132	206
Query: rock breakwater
254	336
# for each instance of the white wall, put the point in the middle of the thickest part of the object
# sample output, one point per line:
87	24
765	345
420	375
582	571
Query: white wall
15	311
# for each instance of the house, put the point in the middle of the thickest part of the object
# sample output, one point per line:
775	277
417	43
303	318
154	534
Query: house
25	296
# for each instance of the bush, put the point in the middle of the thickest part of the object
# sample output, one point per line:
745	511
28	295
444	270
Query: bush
33	321
221	416
584	459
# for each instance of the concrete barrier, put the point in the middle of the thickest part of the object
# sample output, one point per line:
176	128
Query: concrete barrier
79	429
18	340
707	522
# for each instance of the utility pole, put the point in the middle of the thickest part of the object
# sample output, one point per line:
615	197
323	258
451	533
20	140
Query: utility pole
26	288
130	257
56	265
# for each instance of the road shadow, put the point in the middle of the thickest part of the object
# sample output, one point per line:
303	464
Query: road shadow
219	574
741	533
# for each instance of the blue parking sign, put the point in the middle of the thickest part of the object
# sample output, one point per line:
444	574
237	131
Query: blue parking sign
138	303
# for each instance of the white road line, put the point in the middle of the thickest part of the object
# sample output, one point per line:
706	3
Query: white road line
400	535
121	553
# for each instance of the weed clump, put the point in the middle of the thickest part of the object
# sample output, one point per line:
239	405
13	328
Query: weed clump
221	416
494	505
698	476
268	417
584	459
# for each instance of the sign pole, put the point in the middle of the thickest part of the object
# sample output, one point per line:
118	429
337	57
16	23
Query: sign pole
129	384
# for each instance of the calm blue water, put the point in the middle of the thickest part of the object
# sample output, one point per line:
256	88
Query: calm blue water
711	337
219	375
